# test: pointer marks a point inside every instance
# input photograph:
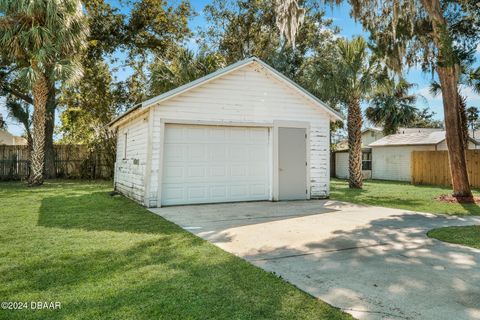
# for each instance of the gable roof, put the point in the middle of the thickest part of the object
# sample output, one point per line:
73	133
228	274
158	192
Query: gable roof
240	64
374	129
412	139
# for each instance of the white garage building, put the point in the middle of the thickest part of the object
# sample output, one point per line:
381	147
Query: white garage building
243	133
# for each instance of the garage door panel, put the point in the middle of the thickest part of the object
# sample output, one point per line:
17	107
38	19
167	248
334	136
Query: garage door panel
218	134
238	153
257	171
197	193
217	171
172	193
175	134
174	173
218	192
194	172
196	152
259	135
259	190
204	164
238	171
174	152
257	154
217	152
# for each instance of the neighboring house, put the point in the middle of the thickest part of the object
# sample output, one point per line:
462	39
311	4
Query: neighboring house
6	138
245	132
391	155
340	160
369	135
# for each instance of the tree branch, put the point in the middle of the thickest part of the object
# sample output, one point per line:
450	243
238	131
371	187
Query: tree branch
17	93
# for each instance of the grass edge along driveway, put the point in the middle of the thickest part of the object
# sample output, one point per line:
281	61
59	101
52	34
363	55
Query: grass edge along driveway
464	235
401	195
106	257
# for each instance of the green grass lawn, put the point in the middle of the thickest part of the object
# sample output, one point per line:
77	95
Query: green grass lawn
467	236
106	257
401	195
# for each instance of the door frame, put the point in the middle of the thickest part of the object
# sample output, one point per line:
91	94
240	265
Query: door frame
164	122
289	124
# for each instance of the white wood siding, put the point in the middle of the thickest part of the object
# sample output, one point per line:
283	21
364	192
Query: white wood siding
130	169
394	163
341	165
370	137
443	145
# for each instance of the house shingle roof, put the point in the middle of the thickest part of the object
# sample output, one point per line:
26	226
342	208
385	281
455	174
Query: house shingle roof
407	139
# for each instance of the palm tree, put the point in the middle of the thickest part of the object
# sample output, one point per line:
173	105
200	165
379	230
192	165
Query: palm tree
22	113
43	39
392	106
183	68
472	118
3	123
350	79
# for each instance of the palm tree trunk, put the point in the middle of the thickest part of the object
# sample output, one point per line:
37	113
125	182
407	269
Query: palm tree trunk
40	97
462	105
49	128
354	126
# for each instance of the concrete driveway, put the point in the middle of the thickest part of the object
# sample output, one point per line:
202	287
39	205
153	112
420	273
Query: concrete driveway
372	262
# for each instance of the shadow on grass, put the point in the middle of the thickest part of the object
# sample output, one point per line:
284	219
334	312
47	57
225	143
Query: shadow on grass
471	208
100	212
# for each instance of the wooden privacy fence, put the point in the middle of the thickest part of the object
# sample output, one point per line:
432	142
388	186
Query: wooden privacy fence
71	161
432	167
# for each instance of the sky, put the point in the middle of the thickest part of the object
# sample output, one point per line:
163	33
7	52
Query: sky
348	28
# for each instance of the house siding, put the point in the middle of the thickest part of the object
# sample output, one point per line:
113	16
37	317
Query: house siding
443	145
394	163
341	165
130	166
371	136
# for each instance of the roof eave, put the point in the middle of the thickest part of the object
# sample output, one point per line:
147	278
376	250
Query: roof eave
404	145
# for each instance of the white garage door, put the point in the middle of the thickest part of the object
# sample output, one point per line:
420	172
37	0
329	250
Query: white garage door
206	164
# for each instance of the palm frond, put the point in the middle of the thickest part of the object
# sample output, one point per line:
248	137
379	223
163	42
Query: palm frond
39	34
435	88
